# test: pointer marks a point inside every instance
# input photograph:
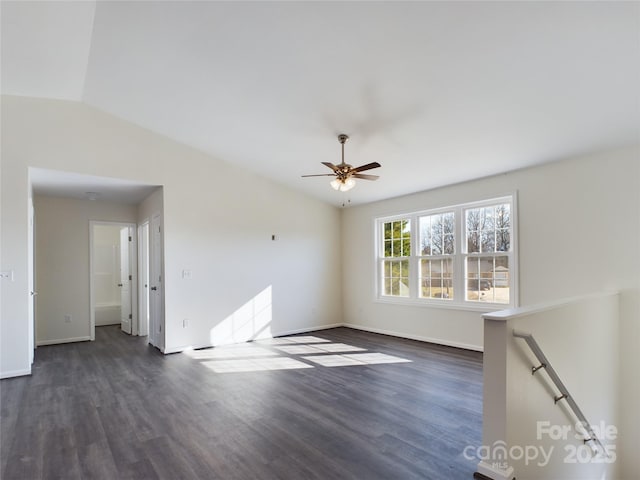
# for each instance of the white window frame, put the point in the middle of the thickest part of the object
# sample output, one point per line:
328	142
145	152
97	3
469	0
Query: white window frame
459	302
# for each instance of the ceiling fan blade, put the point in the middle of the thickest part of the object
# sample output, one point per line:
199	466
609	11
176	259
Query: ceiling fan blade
365	177
330	165
368	166
321	175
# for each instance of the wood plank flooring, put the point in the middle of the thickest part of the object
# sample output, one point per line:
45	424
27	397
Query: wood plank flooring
118	409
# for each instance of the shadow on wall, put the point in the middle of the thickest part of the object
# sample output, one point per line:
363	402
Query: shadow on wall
251	321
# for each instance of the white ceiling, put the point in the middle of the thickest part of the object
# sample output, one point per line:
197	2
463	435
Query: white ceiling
437	92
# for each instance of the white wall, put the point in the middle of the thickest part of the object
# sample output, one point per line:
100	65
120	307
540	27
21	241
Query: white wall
579	233
218	222
150	206
580	340
62	263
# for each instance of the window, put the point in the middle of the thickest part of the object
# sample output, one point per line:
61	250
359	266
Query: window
460	255
488	237
437	245
397	250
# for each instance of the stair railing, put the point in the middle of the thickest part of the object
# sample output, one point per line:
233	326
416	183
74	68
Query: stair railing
596	444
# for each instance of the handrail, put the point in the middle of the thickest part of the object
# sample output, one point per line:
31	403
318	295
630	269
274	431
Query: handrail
564	393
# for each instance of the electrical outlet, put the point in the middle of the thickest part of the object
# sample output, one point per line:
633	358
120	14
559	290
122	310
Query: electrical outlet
67	319
185	323
187	275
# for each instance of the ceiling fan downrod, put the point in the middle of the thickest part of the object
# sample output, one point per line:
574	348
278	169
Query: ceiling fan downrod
342	138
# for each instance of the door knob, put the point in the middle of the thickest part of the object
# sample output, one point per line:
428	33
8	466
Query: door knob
119	284
154	288
33	294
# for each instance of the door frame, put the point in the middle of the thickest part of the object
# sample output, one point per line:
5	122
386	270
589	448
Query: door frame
133	266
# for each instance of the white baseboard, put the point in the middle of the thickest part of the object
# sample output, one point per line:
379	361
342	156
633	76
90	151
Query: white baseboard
15	373
420	338
41	343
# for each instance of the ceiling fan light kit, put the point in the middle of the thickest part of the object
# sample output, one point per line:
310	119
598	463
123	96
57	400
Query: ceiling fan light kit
343	185
346	174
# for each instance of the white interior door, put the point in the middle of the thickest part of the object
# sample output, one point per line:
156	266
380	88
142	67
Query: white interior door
155	284
125	280
143	275
30	266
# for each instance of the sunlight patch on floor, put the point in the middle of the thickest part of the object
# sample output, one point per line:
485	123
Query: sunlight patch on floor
297	349
255	365
230	351
318	348
339	347
333	360
373	358
354	359
267	355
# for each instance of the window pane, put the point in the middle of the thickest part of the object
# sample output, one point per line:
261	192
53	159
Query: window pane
406	237
473	242
396	250
488	229
503	240
488	241
487	219
436	278
437	234
396	278
449	220
487	279
397	238
425	243
387	248
503	216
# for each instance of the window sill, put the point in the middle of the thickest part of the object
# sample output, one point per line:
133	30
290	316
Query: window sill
445	305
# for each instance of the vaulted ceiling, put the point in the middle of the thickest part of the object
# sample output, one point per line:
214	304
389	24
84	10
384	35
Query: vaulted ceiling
437	92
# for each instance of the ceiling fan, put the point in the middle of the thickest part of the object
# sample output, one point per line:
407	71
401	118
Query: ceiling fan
345	173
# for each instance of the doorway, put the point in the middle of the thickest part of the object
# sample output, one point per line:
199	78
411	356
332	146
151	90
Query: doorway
113	276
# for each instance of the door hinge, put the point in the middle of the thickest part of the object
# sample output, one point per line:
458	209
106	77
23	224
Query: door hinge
130	277
130	317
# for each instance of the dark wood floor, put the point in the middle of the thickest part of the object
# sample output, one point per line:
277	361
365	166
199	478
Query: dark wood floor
118	409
